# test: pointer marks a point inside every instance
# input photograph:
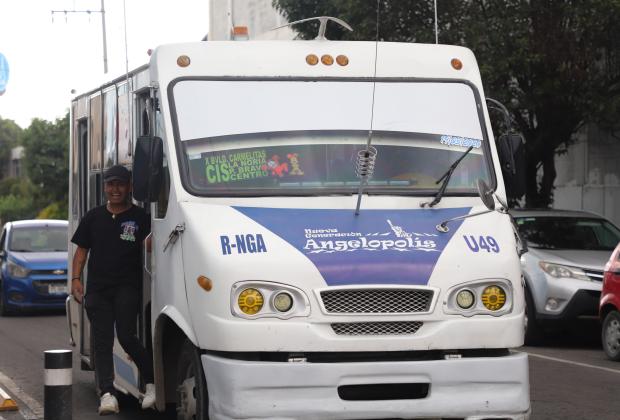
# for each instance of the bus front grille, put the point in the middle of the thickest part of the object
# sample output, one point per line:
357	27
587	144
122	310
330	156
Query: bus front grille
376	328
377	301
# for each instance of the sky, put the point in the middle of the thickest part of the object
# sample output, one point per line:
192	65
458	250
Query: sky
50	55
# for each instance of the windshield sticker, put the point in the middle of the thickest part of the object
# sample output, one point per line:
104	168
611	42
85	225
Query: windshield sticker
377	246
249	165
460	141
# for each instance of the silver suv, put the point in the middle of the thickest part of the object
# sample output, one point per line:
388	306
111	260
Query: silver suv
563	268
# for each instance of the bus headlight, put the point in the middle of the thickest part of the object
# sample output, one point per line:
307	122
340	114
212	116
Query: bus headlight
283	302
253	299
250	301
480	297
465	299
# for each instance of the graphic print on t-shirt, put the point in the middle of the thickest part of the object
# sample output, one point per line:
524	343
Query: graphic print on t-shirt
129	231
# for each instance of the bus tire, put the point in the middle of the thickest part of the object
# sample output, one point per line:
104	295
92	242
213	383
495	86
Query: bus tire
191	387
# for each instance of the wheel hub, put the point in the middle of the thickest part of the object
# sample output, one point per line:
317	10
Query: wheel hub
187	400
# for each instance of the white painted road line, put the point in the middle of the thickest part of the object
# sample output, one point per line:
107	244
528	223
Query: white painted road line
570	362
34	410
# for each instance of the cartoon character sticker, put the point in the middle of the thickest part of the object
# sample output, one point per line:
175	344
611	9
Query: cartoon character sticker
276	168
293	158
129	230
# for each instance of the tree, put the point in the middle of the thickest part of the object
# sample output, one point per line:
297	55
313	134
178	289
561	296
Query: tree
46	160
554	63
10	134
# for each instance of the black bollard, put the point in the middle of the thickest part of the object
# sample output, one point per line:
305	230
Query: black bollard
58	384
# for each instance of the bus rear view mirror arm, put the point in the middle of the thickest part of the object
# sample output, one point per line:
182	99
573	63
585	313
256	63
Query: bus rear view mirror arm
488	198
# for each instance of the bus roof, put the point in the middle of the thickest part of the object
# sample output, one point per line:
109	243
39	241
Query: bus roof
288	59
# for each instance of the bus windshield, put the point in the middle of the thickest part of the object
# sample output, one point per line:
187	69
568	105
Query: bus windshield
303	137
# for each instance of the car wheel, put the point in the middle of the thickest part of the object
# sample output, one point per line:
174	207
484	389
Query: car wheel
533	331
192	396
611	335
4	310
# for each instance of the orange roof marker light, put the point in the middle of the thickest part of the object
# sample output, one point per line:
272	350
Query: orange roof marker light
342	60
312	59
327	59
456	64
183	61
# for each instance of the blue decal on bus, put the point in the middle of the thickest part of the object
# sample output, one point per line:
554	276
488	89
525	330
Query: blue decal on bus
243	244
377	246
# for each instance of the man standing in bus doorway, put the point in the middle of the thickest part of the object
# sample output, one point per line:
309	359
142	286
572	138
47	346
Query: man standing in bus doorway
111	236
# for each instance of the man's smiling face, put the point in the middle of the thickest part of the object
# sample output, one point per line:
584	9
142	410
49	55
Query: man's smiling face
117	191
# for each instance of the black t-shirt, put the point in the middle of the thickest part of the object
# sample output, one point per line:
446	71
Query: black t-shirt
114	244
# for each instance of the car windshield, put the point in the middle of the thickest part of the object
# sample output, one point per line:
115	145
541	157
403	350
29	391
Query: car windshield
568	233
304	137
38	239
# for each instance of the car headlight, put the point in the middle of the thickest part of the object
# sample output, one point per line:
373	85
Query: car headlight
558	270
16	270
261	299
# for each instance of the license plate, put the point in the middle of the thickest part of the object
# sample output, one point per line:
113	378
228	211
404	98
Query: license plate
57	289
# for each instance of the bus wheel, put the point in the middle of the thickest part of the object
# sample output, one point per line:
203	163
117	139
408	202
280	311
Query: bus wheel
192	397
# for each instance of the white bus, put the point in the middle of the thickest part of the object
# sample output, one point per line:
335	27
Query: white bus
268	294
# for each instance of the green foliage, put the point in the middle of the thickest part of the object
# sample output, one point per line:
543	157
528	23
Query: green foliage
10	135
46	159
555	64
15	207
56	210
46	163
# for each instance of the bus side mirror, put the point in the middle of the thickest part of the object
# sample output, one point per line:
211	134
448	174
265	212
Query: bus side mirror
148	168
511	151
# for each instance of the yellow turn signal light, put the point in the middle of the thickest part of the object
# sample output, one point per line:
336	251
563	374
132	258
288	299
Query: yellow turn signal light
250	301
493	298
205	283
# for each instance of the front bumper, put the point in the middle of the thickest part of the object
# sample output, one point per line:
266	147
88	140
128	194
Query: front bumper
582	303
28	294
470	388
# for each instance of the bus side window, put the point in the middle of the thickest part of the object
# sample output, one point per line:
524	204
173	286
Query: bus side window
143	120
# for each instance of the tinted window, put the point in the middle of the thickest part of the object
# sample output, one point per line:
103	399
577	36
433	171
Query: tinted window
38	239
569	233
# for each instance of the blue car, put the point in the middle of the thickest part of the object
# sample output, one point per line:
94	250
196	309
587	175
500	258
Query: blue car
33	274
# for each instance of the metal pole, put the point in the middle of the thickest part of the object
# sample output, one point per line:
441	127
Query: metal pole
58	385
105	46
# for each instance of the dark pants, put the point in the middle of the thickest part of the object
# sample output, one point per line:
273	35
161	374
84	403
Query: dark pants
116	305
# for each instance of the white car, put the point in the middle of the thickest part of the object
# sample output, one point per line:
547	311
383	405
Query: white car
563	268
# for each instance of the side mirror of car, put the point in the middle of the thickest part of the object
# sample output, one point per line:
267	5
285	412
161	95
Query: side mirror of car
148	168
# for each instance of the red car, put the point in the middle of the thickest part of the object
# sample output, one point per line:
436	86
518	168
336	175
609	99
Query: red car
609	309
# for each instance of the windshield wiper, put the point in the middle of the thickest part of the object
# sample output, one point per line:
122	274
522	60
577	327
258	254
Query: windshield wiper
446	178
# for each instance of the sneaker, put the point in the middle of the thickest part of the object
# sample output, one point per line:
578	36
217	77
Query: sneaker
149	397
108	404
